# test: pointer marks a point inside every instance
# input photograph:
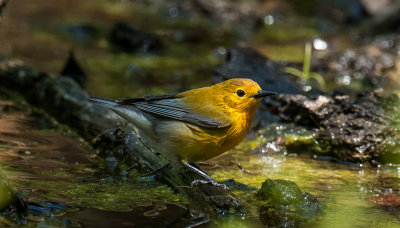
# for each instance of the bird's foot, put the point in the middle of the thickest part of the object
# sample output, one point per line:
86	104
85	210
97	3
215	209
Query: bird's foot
197	182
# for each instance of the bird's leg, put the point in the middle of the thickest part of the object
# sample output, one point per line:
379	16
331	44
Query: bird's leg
207	178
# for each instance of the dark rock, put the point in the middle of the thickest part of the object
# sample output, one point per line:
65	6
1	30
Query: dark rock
130	40
285	205
115	143
245	62
352	129
73	70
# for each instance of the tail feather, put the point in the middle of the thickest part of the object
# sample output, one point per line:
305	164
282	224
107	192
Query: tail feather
129	113
102	101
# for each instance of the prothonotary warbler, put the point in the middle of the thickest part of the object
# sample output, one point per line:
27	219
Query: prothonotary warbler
198	124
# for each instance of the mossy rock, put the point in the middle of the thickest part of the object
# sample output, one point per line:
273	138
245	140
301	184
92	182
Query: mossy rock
280	192
283	204
11	205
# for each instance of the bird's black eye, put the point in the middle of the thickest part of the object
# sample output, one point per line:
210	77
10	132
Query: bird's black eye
240	93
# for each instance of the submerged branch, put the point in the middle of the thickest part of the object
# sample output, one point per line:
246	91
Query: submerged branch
66	102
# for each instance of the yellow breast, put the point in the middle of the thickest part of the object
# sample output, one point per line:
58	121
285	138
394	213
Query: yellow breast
194	143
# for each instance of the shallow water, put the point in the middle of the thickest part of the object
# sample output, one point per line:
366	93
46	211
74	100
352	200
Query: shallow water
347	190
65	185
65	182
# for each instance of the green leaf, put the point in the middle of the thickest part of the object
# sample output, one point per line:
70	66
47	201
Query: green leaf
307	60
294	71
318	77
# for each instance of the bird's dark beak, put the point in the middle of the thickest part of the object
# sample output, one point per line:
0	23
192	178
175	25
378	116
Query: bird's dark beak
263	93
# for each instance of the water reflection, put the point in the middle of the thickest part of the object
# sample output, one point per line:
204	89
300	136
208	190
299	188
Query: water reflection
67	185
32	151
352	192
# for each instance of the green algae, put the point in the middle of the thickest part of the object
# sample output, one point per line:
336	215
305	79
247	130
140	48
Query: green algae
345	189
113	196
76	178
304	142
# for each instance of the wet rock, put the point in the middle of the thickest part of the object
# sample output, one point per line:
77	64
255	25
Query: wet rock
73	70
126	38
280	192
285	205
11	205
386	199
249	63
113	143
355	129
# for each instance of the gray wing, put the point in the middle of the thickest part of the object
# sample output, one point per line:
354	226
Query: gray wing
168	106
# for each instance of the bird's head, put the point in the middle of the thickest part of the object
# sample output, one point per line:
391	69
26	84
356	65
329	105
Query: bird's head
240	94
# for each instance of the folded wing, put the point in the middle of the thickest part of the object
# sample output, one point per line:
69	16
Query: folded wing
168	106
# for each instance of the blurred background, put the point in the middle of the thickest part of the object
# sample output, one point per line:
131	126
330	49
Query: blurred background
345	51
131	48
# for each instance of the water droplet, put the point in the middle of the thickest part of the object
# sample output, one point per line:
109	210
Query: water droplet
344	79
269	20
173	12
386	43
221	50
320	44
307	88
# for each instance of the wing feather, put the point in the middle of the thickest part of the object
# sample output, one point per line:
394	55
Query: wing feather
170	106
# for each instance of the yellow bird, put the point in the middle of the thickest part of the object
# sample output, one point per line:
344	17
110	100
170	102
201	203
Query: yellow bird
198	124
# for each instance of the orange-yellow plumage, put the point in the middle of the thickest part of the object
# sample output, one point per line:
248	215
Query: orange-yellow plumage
221	103
197	124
